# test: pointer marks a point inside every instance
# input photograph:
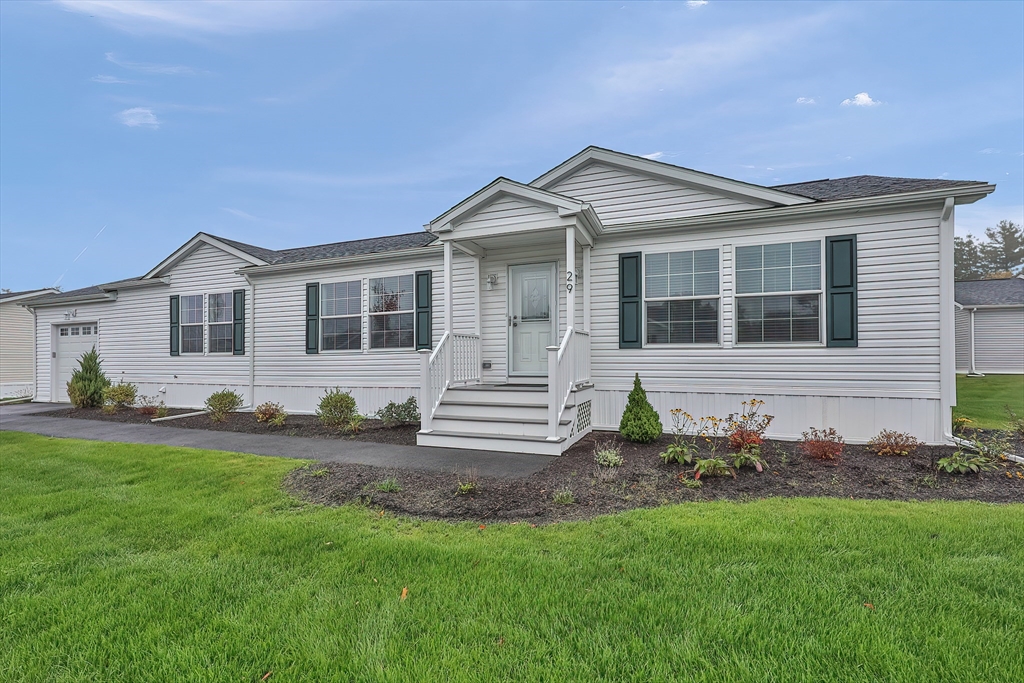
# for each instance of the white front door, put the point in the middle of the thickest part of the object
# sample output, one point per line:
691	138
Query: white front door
532	318
72	342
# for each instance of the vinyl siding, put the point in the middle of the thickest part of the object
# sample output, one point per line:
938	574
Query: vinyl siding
999	340
620	196
133	335
962	319
16	342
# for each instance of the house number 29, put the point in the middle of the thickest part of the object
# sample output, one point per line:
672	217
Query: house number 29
568	280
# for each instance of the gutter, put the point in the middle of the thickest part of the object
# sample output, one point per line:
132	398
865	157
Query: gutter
252	350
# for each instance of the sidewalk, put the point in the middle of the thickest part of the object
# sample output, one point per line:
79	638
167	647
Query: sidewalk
27	417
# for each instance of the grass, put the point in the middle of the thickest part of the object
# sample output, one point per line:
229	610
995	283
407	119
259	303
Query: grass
983	399
153	563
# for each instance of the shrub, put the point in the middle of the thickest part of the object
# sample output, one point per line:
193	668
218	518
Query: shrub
394	414
563	496
336	408
711	467
471	484
748	427
161	410
221	403
608	457
122	395
963	462
683	448
640	422
822	444
889	442
85	390
389	485
271	413
147	405
355	423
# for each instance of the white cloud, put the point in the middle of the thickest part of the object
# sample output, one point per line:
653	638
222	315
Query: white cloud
988	150
653	156
806	100
696	4
148	68
139	117
861	99
212	17
109	79
240	213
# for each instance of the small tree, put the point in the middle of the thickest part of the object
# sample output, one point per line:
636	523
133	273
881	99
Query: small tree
87	385
1004	250
640	422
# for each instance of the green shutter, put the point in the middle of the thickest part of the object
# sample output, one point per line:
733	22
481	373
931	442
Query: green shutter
424	294
175	338
630	301
238	329
312	317
841	290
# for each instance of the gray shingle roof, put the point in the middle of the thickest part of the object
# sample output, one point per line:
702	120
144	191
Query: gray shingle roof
860	186
70	294
1006	292
319	252
11	295
259	252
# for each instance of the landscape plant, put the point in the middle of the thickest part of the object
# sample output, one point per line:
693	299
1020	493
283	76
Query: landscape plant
640	422
564	496
88	382
121	396
608	456
147	405
394	414
748	427
222	403
749	457
336	408
355	423
683	448
963	461
271	413
1014	422
388	485
711	467
469	483
822	444
890	442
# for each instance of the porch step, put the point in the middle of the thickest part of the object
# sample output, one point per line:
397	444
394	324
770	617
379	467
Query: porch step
498	426
517	396
538	445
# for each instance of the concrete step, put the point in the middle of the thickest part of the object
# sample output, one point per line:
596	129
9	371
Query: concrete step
511	427
506	397
509	410
490	442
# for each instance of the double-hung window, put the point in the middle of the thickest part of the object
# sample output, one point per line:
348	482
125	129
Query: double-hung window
192	324
778	292
220	319
681	290
392	312
341	309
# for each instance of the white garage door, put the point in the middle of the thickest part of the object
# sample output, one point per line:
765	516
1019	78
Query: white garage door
72	342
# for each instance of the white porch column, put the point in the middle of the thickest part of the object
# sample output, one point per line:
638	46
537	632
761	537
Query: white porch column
476	295
448	286
570	277
586	288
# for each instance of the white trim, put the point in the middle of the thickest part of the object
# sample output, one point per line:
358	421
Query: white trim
660	169
202	238
644	299
947	324
29	295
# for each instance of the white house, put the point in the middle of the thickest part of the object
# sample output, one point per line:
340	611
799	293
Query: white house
17	334
520	315
990	326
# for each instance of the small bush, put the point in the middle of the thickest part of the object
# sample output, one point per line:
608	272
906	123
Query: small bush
355	423
608	457
268	412
822	444
389	485
749	426
471	483
221	403
161	410
121	396
961	423
640	422
964	462
336	408
147	405
85	390
394	414
889	442
749	457
563	496
711	467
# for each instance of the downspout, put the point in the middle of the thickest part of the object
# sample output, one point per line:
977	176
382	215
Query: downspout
35	354
973	372
252	349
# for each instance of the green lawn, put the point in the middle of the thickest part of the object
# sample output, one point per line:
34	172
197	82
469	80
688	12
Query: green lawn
141	563
983	399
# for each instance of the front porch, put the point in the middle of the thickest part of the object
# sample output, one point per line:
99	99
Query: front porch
511	371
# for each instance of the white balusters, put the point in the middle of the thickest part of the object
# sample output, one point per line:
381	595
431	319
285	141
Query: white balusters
455	361
568	367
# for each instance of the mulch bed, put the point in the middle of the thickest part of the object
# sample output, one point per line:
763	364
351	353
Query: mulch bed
643	481
296	425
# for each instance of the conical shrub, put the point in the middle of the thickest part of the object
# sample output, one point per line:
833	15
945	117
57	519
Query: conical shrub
640	422
85	390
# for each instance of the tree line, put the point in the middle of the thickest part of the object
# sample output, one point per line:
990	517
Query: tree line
1000	254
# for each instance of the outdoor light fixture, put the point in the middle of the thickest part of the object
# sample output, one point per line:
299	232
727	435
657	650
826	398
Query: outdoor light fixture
492	280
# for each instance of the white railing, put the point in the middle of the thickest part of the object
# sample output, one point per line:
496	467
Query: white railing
568	367
454	361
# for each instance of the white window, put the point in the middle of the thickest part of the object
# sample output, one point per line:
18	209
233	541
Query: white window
65	331
74	331
778	292
341	311
392	317
191	313
220	320
86	330
681	292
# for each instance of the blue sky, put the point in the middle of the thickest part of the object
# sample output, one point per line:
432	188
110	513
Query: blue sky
289	124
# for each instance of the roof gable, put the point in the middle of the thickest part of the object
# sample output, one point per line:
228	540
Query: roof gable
236	249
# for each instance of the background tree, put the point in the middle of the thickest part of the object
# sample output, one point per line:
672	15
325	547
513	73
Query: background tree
1004	250
967	261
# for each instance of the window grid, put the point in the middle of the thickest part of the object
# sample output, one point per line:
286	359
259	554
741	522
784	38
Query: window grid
778	293
681	297
220	319
190	311
392	316
341	310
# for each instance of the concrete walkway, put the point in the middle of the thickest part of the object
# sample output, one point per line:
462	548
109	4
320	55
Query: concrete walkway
27	417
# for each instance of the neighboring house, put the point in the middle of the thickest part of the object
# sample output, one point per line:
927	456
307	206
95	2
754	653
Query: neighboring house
990	326
519	316
17	340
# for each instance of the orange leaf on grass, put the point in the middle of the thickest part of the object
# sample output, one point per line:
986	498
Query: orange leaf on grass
869	605
266	675
405	593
